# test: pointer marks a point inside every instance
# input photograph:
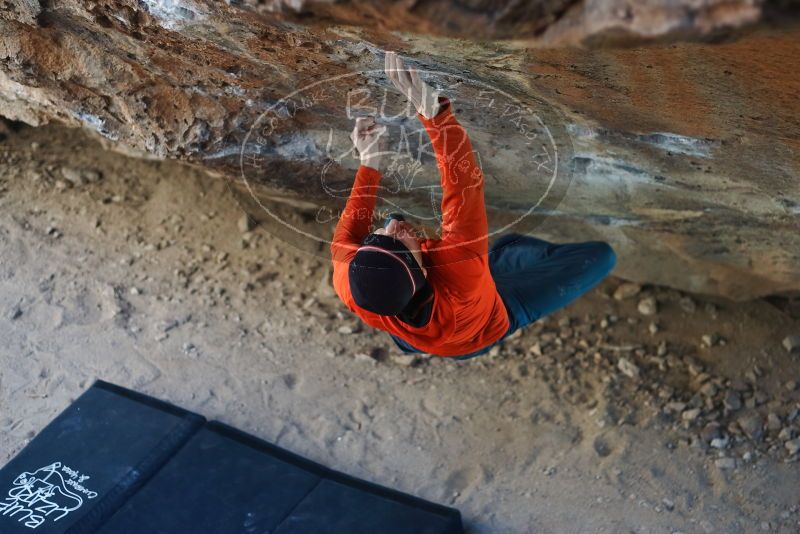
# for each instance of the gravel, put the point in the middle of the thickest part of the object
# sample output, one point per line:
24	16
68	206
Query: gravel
80	177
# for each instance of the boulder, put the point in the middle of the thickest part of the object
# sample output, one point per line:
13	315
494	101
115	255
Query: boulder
679	148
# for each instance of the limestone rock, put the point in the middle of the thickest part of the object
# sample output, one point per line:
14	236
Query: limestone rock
691	179
550	22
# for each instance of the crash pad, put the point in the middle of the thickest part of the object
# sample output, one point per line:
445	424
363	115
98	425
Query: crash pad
117	461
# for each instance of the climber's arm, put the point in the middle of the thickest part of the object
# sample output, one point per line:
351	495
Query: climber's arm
356	217
464	219
354	223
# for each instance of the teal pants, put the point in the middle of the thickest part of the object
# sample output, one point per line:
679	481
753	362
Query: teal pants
535	278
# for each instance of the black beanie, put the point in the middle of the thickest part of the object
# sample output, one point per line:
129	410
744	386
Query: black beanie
384	275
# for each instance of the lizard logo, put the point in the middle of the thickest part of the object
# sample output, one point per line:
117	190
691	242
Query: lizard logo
521	147
44	494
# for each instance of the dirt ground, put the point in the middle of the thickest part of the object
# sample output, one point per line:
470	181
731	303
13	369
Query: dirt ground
600	418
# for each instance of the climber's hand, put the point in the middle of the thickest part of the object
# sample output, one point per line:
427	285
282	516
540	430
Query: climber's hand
367	137
408	82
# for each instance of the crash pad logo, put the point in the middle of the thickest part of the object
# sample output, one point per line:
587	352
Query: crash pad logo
520	144
48	494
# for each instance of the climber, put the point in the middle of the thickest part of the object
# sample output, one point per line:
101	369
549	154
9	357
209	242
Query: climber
451	296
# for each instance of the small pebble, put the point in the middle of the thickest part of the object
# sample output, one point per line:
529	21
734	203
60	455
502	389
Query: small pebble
752	425
687	304
720	443
246	223
691	414
711	432
364	357
626	291
725	463
774	422
628	368
792	344
732	401
648	306
404	360
709	340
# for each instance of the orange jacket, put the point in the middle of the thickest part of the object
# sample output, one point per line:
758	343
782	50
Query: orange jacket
467	313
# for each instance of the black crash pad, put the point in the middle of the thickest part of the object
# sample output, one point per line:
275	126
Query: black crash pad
119	462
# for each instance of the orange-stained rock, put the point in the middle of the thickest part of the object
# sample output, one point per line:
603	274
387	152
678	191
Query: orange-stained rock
684	154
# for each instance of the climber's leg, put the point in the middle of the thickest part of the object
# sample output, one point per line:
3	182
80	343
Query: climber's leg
536	278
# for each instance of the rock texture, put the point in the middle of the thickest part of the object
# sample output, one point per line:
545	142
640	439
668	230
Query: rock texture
542	22
684	155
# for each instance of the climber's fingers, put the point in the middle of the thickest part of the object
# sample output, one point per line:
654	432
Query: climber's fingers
415	81
365	128
410	95
374	131
378	130
372	141
387	66
364	123
395	70
392	72
357	129
403	73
